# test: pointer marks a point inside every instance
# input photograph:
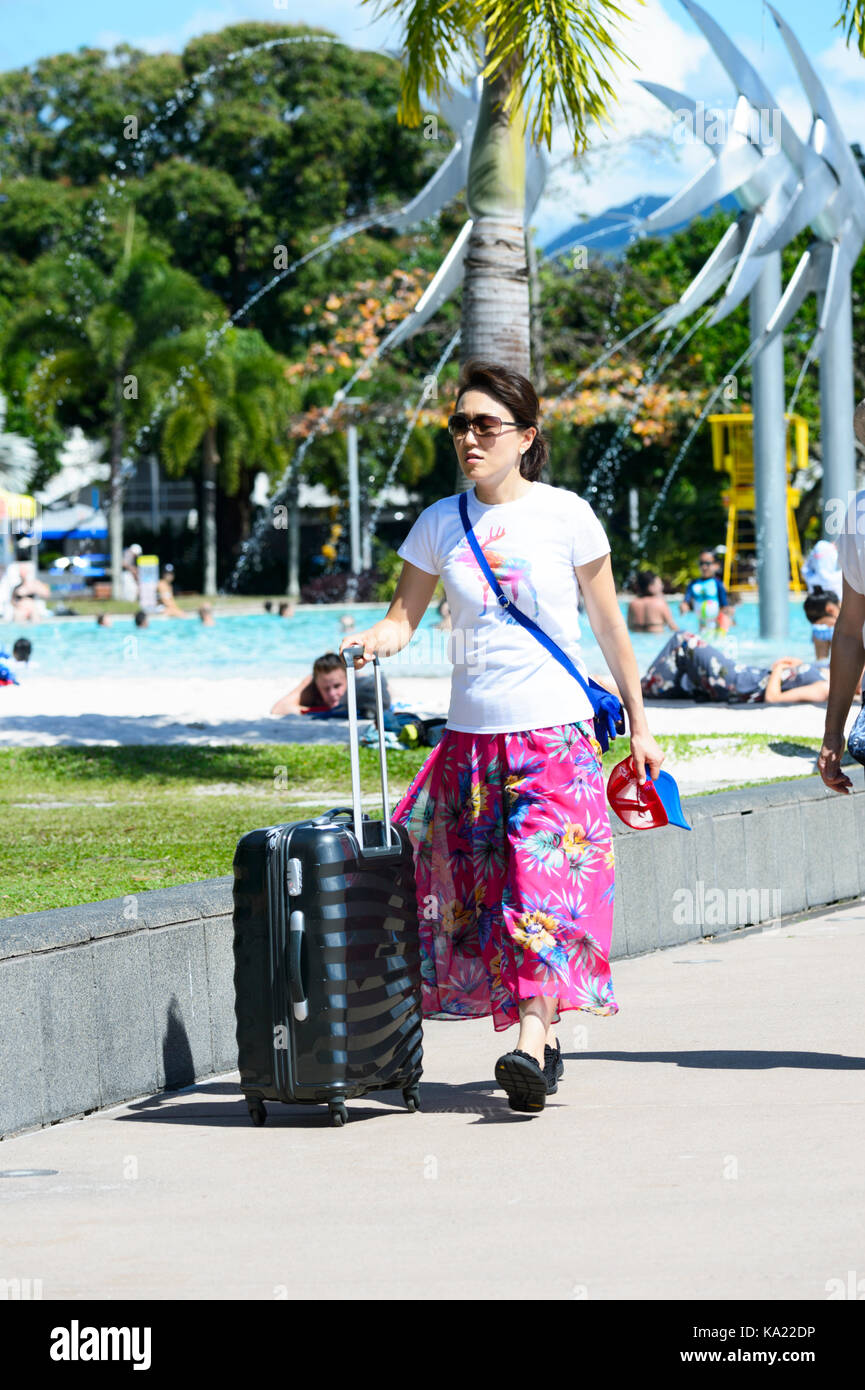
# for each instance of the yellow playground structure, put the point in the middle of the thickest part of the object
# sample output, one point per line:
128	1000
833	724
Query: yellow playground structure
733	452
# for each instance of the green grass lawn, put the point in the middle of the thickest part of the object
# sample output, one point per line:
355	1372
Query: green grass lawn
84	824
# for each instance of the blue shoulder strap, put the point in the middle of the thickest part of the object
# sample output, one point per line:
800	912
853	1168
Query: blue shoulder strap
607	708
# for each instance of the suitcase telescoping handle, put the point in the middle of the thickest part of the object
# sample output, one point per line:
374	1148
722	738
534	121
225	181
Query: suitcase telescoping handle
392	841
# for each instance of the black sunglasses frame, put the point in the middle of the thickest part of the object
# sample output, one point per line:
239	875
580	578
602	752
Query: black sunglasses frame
470	423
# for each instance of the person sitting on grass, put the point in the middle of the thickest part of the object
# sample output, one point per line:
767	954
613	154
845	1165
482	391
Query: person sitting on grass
688	668
325	692
649	611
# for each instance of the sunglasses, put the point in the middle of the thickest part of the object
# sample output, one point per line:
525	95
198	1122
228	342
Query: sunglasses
704	564
484	426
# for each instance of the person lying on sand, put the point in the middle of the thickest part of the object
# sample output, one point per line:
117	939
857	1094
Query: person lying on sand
325	692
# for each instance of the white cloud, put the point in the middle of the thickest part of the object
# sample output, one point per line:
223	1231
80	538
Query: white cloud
842	64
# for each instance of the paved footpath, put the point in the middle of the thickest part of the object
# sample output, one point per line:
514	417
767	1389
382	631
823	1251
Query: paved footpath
705	1143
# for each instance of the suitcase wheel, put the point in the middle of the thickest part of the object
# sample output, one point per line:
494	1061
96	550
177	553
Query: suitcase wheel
257	1112
338	1112
411	1096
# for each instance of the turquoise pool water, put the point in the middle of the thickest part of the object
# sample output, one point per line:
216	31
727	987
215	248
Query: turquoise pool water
263	645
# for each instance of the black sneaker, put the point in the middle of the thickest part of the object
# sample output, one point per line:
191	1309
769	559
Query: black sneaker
553	1067
522	1076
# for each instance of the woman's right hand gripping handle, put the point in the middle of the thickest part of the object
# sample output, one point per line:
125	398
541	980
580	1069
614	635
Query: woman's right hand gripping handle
367	640
411	598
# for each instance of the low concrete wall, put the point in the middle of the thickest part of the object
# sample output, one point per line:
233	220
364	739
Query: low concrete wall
109	1001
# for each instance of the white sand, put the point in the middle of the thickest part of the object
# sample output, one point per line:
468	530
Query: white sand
44	711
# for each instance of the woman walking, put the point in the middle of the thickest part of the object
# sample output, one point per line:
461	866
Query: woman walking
508	815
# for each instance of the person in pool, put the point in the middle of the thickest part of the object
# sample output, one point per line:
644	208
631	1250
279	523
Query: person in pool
649	611
688	668
707	589
13	667
165	594
822	608
325	692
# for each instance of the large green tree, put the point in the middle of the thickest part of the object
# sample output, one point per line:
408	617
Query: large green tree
232	412
91	339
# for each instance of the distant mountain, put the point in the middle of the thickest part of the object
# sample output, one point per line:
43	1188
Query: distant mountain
611	231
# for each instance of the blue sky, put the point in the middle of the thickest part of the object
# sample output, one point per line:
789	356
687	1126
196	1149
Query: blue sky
35	28
631	160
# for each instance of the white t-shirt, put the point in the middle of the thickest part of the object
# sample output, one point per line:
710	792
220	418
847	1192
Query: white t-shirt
504	680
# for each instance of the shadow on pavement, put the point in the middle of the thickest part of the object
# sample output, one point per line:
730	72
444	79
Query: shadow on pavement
730	1061
481	1098
474	1098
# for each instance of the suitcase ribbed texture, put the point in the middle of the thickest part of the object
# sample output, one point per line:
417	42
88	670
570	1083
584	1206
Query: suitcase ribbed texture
359	964
326	955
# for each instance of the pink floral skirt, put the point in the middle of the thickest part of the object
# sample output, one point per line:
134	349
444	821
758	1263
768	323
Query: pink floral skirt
514	867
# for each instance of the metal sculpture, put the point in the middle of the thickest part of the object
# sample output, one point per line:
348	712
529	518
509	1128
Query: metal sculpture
782	184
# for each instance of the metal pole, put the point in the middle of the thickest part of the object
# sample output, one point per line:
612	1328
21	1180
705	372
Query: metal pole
293	590
837	404
770	467
354	499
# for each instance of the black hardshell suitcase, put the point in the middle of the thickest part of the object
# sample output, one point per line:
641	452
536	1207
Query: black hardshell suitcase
326	953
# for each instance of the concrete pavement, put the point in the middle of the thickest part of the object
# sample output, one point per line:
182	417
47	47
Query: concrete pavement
706	1142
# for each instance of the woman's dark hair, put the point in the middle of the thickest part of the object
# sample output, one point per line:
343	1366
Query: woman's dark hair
22	649
643	580
816	603
519	395
329	662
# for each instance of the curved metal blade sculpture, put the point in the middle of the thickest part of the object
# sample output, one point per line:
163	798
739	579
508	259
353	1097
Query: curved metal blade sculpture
783	184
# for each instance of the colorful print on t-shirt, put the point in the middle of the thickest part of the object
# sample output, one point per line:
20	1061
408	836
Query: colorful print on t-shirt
508	570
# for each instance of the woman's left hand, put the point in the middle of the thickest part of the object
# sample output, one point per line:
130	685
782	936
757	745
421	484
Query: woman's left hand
645	753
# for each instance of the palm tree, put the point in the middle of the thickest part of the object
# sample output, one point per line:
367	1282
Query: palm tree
233	407
537	57
98	363
853	19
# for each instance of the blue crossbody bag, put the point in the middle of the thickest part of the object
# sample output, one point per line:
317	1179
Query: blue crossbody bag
609	714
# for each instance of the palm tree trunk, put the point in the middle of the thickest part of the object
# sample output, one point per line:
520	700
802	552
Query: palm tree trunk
115	505
495	306
210	463
495	302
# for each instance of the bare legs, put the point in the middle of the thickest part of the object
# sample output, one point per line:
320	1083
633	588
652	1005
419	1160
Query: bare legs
536	1027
